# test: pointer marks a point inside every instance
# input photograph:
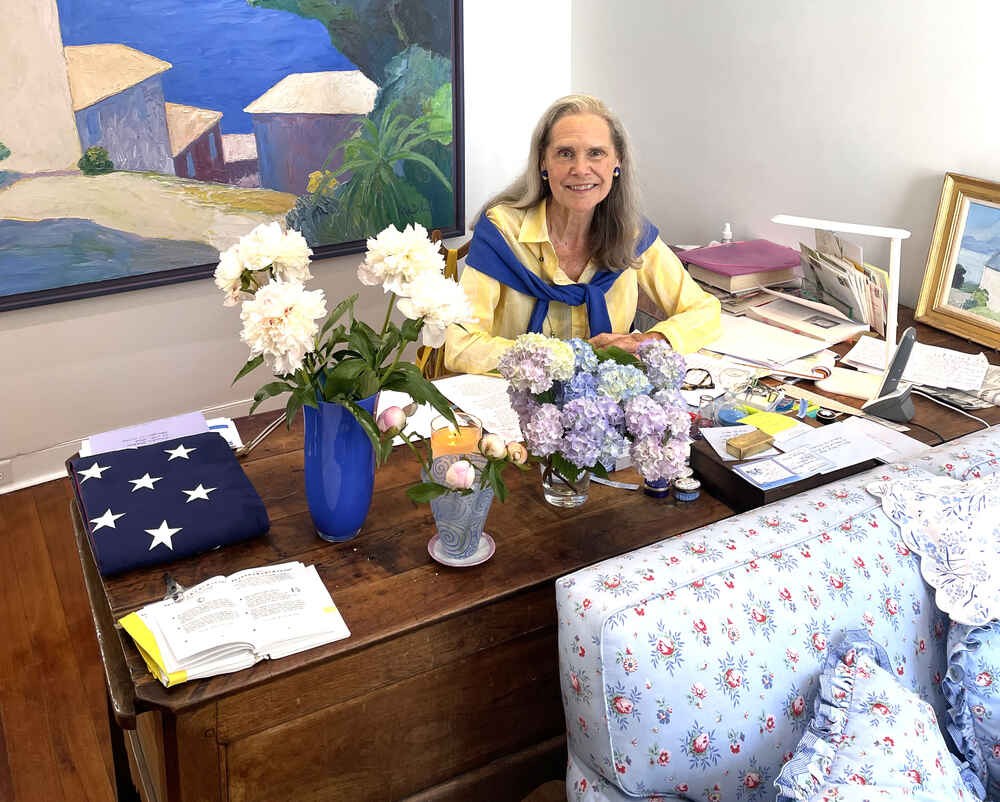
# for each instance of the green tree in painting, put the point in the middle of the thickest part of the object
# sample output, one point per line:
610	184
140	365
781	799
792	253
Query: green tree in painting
95	161
980	298
376	194
4	151
405	48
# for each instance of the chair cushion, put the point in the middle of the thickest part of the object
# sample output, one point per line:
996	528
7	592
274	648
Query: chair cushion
972	689
871	738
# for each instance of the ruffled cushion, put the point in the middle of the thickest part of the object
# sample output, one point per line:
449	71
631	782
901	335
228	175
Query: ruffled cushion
972	688
871	738
952	525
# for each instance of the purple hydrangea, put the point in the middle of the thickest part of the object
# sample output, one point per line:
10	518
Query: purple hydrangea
543	432
655	459
586	432
676	409
522	402
664	366
610	410
644	417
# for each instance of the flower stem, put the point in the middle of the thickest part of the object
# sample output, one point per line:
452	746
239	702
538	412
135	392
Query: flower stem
388	313
415	450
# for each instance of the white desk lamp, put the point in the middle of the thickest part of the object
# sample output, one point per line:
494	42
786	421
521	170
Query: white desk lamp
895	237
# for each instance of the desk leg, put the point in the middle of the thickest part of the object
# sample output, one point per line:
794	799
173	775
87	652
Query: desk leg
124	787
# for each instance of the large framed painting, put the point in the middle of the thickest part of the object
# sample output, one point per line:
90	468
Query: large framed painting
961	287
141	138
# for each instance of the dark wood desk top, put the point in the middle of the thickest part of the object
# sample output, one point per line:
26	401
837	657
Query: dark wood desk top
384	581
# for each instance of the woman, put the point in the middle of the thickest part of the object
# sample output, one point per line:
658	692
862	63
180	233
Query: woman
564	250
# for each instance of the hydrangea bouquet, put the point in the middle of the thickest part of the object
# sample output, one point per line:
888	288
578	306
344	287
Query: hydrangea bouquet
582	410
340	359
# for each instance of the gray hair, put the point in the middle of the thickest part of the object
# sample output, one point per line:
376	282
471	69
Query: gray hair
617	222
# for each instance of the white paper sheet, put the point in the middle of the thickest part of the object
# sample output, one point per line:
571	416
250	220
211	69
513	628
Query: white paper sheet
143	434
486	398
900	446
840	445
750	339
804	462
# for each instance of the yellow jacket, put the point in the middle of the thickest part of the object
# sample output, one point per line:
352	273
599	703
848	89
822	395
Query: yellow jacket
693	316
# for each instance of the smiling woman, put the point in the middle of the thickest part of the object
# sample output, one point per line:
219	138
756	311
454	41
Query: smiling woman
564	250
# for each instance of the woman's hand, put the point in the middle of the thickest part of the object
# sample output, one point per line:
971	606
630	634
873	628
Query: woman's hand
627	342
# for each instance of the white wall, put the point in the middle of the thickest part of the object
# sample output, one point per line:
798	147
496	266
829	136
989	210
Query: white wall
850	110
68	370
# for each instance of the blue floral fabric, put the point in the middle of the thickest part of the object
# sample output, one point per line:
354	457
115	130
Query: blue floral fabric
689	668
871	738
972	688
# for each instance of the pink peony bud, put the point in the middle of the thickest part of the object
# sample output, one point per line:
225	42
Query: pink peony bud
461	475
492	445
517	452
391	421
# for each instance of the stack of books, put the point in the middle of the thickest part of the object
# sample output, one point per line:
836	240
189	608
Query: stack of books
743	267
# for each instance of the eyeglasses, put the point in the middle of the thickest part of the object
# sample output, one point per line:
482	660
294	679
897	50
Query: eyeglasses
697	379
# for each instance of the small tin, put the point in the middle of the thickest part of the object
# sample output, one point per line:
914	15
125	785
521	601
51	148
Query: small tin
656	488
686	488
827	415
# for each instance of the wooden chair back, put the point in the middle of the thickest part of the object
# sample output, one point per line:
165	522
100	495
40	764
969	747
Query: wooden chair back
430	361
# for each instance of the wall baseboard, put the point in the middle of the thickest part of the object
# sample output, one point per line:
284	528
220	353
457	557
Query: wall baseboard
48	463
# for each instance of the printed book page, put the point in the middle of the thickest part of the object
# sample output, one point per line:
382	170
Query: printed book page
485	397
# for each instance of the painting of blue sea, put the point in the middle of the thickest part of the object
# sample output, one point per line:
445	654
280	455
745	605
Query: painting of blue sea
975	278
145	137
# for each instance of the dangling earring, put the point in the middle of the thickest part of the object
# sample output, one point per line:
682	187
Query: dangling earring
616	172
545	175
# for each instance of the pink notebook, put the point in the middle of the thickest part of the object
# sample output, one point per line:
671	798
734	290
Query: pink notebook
738	258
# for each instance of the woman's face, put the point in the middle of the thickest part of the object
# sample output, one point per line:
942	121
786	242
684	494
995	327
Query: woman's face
580	158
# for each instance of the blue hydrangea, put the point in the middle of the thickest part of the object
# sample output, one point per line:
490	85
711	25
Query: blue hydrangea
586	359
582	385
586	432
621	381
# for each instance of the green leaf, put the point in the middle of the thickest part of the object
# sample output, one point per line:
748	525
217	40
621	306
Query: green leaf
250	365
338	313
411	329
390	342
599	470
300	396
493	474
616	354
439	110
565	468
367	422
408	379
368	383
267	391
425	491
361	341
348	368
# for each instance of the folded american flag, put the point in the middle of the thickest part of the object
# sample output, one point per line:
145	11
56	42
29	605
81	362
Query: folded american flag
148	505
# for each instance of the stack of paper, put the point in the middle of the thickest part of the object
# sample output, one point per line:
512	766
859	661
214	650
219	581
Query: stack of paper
760	343
928	364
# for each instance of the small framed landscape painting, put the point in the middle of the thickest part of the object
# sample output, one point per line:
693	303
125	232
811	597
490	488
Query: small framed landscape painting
961	288
141	138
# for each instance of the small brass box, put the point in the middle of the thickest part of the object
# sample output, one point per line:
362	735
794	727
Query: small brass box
746	445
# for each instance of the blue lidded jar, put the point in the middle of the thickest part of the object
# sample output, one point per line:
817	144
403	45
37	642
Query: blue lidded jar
656	488
686	488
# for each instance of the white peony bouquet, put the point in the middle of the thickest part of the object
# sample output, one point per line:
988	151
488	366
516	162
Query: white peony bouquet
339	360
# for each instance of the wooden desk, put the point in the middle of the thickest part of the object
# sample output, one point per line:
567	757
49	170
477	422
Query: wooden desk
448	686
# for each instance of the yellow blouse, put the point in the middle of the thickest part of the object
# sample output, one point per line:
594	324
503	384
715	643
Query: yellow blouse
693	315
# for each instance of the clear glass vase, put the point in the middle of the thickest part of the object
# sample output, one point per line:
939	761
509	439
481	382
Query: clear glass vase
559	491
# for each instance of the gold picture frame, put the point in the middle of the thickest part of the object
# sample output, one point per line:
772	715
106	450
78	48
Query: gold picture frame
960	293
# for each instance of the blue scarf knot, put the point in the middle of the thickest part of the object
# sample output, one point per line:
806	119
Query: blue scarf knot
489	253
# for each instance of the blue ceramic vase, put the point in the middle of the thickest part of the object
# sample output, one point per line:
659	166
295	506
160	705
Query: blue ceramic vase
459	518
340	469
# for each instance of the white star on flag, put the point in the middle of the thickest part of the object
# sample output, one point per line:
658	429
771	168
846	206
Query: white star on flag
145	481
162	534
198	492
94	472
108	519
180	451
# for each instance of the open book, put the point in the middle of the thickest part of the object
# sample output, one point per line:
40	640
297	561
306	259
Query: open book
229	623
